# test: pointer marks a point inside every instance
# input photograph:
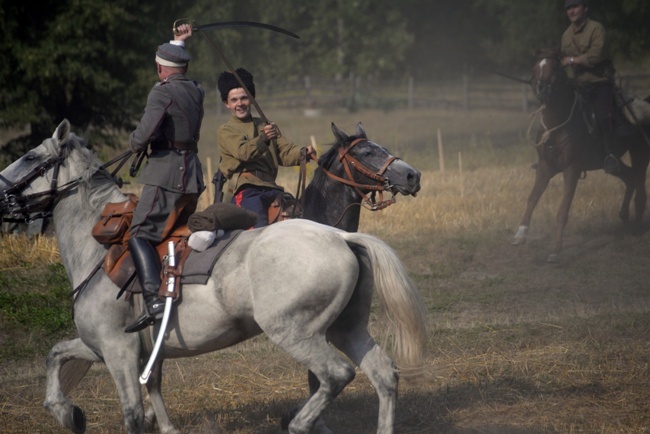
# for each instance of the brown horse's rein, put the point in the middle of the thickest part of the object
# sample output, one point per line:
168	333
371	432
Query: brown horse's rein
349	163
548	131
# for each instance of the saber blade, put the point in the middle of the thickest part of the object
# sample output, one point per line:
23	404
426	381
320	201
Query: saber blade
144	377
244	24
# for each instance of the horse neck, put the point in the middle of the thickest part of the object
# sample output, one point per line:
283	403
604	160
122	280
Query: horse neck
331	202
560	104
74	217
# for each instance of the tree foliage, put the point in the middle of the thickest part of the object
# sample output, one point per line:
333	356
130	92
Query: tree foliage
336	38
91	61
84	60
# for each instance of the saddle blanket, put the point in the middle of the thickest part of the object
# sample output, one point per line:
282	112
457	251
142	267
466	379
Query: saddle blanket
198	266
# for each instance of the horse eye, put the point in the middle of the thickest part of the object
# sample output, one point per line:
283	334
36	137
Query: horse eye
30	157
363	152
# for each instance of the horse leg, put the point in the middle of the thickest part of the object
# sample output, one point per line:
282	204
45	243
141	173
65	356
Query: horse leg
123	365
641	197
542	178
362	349
333	374
320	427
640	158
70	416
571	177
157	403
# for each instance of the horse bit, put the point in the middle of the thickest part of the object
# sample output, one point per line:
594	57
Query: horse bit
13	202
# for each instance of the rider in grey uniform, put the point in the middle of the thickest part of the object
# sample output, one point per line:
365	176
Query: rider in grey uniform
172	177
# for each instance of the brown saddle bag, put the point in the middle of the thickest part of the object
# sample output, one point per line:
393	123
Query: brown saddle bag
116	219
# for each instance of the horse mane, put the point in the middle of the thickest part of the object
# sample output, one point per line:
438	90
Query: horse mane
326	161
99	182
328	158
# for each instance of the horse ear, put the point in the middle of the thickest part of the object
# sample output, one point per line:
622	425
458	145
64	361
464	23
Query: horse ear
360	131
339	134
62	132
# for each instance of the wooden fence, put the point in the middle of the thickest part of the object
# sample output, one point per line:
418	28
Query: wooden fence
464	93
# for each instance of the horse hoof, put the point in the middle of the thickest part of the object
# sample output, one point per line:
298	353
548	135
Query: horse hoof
553	258
77	420
518	241
287	418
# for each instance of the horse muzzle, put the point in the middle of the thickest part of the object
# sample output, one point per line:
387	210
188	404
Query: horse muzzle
406	182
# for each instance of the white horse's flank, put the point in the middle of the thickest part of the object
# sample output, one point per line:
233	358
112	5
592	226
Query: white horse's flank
301	283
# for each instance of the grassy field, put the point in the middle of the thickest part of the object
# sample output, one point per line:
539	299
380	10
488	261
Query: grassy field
517	345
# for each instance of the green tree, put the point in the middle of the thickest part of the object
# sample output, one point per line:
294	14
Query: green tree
90	61
527	24
336	38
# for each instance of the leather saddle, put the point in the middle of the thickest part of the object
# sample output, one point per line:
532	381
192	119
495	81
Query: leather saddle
113	230
119	266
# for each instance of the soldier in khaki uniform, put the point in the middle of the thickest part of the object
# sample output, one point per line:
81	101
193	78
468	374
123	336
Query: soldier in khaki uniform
587	60
251	151
172	177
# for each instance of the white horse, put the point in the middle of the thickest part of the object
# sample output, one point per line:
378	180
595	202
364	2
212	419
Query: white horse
307	286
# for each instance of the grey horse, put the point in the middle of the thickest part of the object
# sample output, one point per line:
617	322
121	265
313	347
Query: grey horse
268	281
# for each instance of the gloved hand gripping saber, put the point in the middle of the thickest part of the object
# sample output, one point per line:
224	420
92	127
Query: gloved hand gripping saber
171	280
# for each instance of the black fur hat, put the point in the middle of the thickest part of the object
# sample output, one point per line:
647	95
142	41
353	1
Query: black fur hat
227	81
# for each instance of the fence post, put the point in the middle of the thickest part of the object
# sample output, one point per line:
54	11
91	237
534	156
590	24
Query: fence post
353	91
308	99
465	91
441	153
524	97
219	103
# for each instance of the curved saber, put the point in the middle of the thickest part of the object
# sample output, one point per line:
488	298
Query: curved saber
212	26
244	24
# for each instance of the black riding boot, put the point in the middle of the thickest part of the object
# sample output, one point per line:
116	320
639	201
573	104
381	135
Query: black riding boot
147	267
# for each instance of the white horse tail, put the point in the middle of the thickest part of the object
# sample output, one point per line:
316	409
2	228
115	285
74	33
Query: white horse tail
400	300
72	372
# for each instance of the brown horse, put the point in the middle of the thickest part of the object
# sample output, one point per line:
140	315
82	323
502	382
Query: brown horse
567	144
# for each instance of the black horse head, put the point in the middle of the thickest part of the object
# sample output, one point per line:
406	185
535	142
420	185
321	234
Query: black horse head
356	171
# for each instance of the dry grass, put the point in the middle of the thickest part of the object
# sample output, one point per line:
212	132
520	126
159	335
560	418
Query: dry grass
20	250
516	345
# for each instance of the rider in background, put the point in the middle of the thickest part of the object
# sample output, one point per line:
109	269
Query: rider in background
587	61
251	150
172	177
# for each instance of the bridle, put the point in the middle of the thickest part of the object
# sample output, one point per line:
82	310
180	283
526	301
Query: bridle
544	87
14	202
40	205
381	183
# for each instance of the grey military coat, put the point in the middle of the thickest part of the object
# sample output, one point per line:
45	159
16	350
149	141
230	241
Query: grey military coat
172	119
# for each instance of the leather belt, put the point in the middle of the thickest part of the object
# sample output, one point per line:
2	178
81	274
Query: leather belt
181	146
257	174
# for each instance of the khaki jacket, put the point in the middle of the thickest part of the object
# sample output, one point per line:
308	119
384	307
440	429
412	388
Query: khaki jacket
247	160
589	43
